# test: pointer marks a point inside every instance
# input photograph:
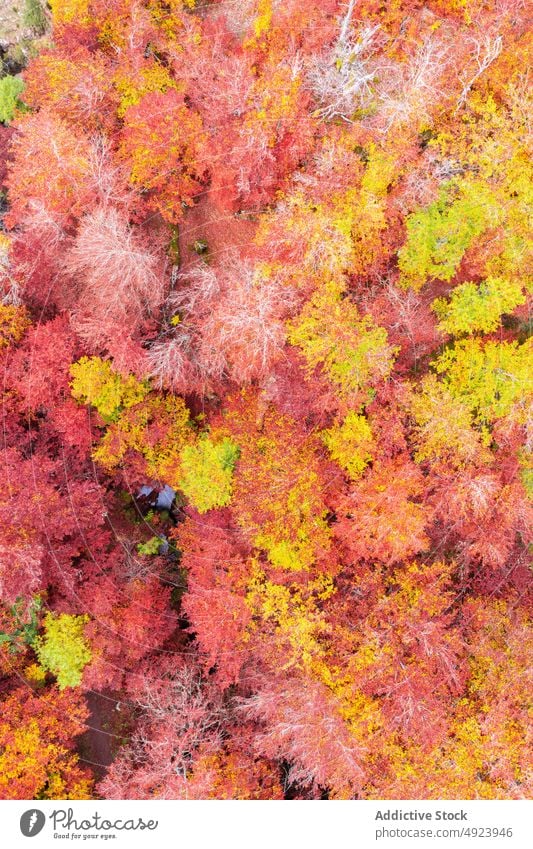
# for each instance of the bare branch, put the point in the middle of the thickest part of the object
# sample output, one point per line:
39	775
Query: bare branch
485	53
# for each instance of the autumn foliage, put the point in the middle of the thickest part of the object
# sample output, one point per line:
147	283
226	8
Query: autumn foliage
266	403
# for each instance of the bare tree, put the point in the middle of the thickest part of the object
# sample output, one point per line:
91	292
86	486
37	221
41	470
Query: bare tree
118	278
412	88
169	361
229	324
